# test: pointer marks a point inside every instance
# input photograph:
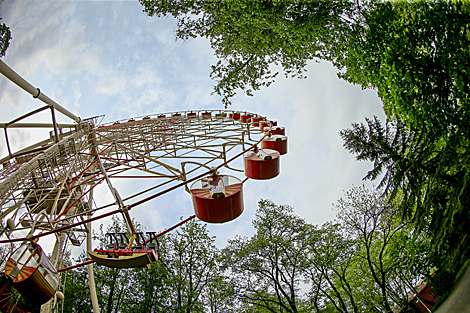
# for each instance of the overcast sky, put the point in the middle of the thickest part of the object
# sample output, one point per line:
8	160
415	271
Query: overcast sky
108	57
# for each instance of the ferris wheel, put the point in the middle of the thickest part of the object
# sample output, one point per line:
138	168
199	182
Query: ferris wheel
48	189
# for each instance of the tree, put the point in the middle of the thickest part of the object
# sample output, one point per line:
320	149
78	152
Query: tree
190	259
5	37
76	290
330	264
392	46
426	175
149	290
220	294
367	217
267	268
185	278
248	36
364	262
416	55
113	283
367	260
385	249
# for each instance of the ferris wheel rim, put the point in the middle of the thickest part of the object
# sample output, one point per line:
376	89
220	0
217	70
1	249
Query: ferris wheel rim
181	115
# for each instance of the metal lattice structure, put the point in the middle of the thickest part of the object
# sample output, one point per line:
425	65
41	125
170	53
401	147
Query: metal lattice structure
57	181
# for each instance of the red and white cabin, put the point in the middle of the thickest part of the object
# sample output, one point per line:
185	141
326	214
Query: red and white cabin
275	130
276	142
246	117
217	199
262	164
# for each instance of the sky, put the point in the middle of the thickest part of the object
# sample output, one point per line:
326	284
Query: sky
109	58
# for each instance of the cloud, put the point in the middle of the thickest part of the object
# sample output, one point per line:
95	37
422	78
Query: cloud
111	85
49	45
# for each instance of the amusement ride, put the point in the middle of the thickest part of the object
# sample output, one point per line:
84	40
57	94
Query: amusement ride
47	189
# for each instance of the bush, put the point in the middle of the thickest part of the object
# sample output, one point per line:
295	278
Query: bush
443	282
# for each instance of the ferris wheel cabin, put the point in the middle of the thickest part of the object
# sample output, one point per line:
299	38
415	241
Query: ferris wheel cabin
275	130
276	142
217	198
262	164
32	274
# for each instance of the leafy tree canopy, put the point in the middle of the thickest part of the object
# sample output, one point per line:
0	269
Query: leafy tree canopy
415	54
5	37
366	261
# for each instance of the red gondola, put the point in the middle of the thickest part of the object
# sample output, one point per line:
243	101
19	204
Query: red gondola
191	115
246	117
262	164
206	114
32	274
161	116
217	198
256	120
174	119
264	124
236	116
275	142
275	130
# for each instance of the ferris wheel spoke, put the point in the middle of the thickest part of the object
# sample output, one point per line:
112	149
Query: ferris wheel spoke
136	194
127	155
170	168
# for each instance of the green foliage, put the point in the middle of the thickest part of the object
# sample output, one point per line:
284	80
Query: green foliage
190	261
5	37
267	268
186	278
384	246
365	261
416	55
330	271
77	291
148	290
220	295
442	282
426	175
